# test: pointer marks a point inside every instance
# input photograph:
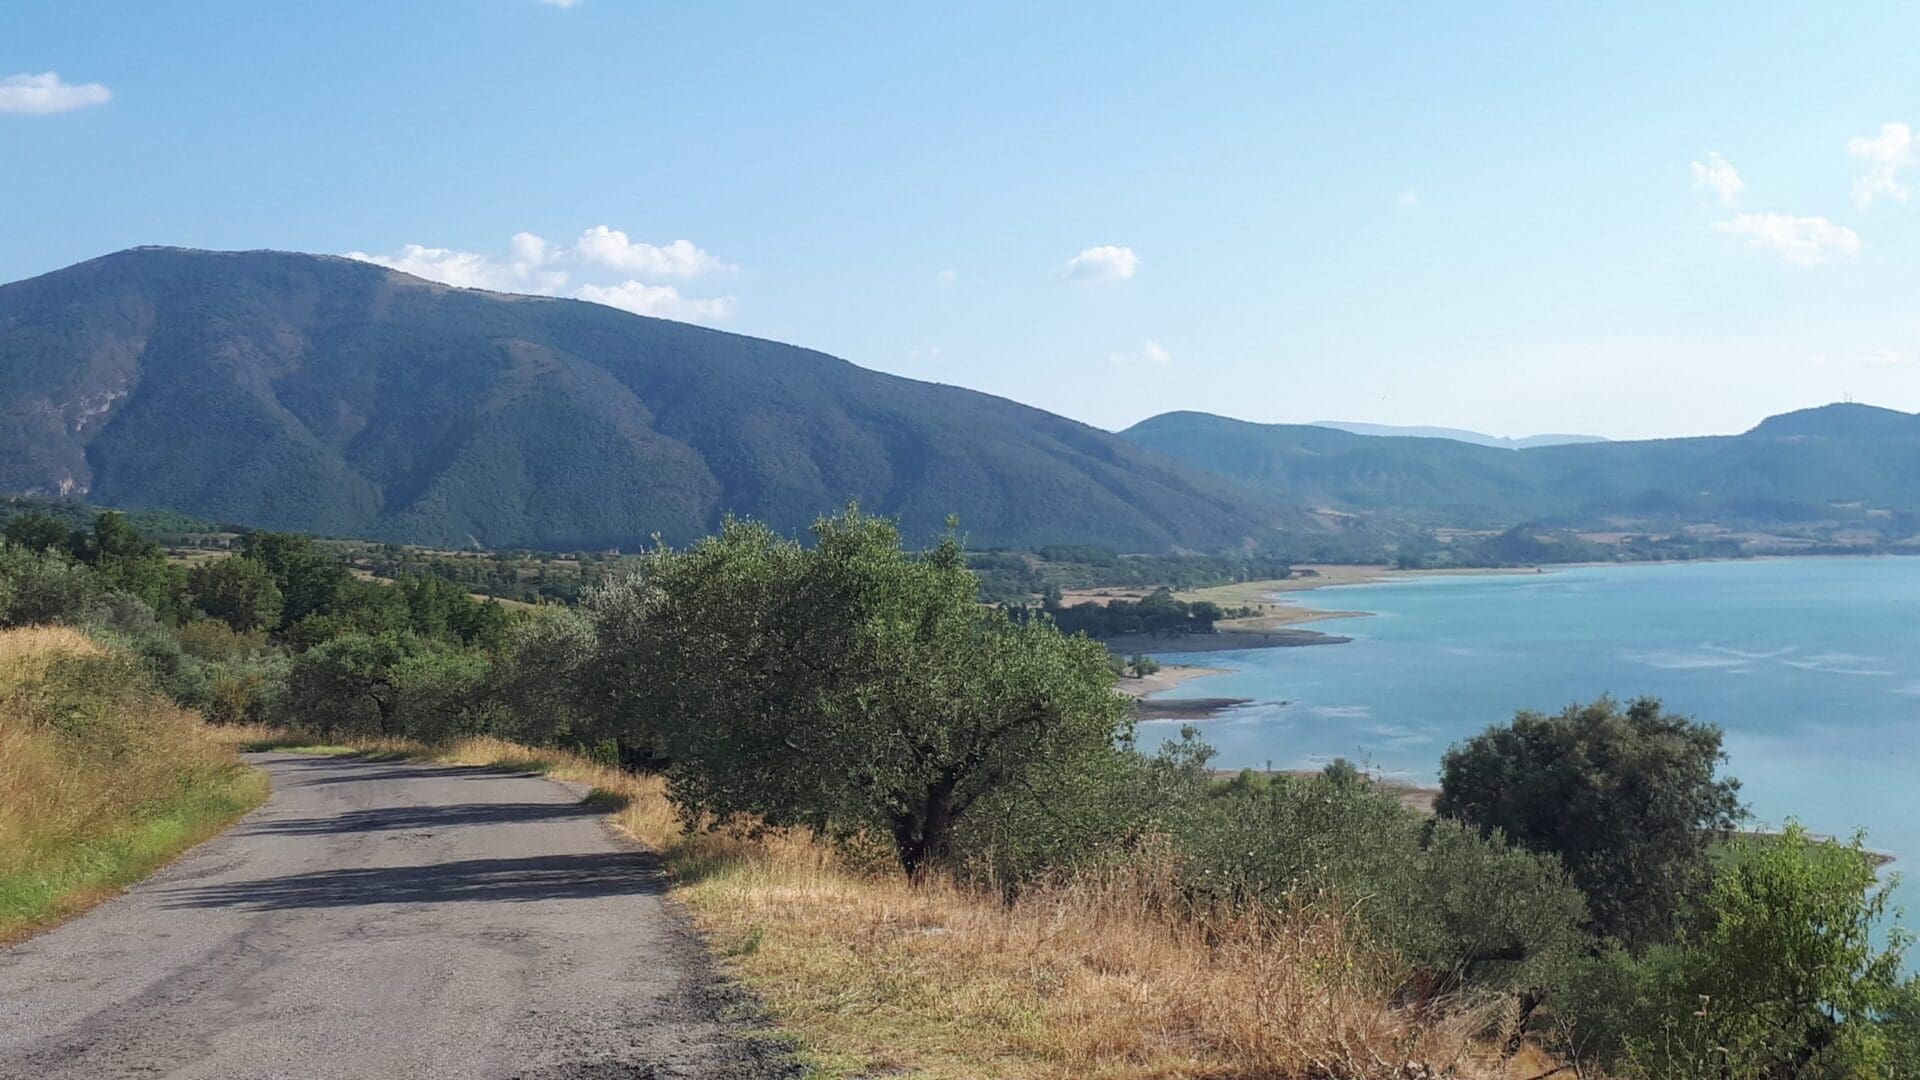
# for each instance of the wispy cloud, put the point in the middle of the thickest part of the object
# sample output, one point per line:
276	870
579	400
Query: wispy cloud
1803	241
1885	154
1150	353
662	301
1718	176
561	4
47	93
473	270
534	265
1408	197
1108	262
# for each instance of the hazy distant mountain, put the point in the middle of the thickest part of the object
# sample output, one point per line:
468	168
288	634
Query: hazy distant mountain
1801	466
1456	434
318	393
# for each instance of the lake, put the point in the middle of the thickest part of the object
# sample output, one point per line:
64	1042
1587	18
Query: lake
1812	667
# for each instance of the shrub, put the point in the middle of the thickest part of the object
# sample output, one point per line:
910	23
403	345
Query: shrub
1465	908
45	587
1778	975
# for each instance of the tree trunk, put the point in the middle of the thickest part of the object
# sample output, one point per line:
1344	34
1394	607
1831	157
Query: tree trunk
925	838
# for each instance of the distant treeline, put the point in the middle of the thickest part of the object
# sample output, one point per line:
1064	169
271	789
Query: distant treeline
1157	614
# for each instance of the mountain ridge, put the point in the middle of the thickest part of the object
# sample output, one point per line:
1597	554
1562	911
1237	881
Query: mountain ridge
327	394
1795	467
1423	431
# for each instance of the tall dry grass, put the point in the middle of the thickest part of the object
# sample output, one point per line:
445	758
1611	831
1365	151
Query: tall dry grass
1105	977
101	778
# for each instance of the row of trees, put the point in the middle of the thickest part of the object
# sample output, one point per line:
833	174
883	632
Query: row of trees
1156	614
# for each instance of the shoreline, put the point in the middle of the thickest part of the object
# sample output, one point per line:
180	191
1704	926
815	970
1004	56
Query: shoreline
1277	627
1148	705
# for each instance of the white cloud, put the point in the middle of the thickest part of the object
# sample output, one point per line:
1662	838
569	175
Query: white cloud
1887	153
1150	353
1108	262
663	301
1717	175
1884	358
533	265
45	93
529	249
561	4
472	270
947	277
1803	241
1409	197
612	249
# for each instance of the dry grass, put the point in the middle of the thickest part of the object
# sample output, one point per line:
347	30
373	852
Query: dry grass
873	975
103	779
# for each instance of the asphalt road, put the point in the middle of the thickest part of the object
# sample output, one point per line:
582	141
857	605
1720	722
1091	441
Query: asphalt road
385	921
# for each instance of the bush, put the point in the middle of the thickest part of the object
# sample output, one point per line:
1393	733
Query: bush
1627	799
1777	976
45	587
1465	908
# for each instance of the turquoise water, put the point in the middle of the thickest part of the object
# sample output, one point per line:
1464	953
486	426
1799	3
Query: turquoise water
1812	667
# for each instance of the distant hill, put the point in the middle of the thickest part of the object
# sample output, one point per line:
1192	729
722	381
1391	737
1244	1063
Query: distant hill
1456	434
318	393
1844	460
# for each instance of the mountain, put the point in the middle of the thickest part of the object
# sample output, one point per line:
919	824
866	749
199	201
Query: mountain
1840	421
318	393
1838	460
1456	434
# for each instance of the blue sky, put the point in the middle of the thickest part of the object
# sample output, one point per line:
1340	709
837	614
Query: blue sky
1499	216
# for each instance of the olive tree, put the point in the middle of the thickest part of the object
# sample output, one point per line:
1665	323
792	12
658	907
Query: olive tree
849	687
240	592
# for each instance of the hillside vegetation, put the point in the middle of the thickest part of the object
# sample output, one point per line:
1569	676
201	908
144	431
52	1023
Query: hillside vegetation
1849	467
923	828
104	777
337	397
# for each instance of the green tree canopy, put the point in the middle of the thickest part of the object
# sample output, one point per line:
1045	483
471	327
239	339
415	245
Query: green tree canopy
38	532
238	591
848	687
1627	798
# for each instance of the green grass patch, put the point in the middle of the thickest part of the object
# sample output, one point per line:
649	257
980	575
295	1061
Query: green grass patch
56	881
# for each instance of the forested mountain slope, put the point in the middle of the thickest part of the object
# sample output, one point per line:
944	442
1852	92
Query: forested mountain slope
1798	466
318	393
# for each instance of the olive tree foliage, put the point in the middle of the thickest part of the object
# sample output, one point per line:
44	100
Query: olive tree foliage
1462	907
849	687
1781	972
1627	798
393	683
538	680
238	591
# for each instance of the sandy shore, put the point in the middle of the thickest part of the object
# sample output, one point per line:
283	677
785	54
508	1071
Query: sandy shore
1279	610
1150	707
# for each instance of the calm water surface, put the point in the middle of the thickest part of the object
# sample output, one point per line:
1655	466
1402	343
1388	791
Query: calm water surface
1812	666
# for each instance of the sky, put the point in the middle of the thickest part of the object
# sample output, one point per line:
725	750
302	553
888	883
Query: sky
1631	220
